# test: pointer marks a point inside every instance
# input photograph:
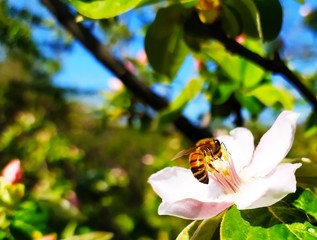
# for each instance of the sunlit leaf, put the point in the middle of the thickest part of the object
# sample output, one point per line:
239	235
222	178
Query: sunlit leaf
92	236
269	95
223	92
164	43
252	104
283	220
201	229
237	68
97	9
307	201
192	88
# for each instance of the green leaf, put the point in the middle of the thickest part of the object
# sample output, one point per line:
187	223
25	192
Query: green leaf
97	9
164	44
252	104
92	236
245	16
269	95
192	88
237	68
201	229
307	201
223	92
256	18
11	194
270	17
283	220
230	20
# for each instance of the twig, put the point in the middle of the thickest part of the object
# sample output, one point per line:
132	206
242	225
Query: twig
101	53
276	65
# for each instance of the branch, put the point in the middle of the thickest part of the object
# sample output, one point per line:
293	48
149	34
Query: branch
101	53
276	65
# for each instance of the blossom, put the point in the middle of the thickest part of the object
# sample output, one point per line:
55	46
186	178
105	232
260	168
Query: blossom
248	177
12	172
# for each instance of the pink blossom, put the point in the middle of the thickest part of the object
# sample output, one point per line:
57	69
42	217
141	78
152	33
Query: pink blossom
247	177
115	84
12	172
141	57
51	236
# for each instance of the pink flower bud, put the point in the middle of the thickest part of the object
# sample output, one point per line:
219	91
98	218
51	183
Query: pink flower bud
48	237
12	172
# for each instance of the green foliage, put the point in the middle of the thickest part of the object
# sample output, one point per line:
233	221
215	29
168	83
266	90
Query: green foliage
164	43
97	9
193	88
294	217
259	19
283	220
270	95
85	171
201	229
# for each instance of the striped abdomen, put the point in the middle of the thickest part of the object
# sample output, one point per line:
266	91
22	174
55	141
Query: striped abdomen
198	166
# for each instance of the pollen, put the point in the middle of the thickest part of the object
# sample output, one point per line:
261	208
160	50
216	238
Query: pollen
224	173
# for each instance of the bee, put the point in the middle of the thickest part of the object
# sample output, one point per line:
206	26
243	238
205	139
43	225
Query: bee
201	157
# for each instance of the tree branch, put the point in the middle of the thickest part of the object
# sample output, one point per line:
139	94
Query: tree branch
101	53
276	65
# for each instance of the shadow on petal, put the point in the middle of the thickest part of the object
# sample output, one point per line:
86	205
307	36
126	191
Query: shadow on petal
193	209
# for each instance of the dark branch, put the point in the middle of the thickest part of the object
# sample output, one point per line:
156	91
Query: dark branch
101	53
276	65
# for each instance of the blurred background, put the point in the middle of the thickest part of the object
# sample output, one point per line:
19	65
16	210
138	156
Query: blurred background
87	145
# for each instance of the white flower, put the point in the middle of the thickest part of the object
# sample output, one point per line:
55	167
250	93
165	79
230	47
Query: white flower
247	178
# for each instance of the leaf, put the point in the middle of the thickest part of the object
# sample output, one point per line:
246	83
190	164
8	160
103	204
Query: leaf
201	229
245	17
97	9
252	104
271	17
269	95
237	68
92	236
230	20
223	92
164	44
283	220
307	201
193	88
256	18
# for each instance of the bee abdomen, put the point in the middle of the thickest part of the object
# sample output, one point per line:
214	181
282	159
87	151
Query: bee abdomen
198	168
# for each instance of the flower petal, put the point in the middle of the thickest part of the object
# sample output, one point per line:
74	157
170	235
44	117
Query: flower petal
262	192
193	209
275	144
175	183
240	145
12	172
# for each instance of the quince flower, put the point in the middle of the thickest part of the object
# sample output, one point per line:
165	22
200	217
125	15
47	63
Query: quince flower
247	177
12	172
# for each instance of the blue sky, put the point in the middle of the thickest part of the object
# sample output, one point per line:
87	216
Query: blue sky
81	71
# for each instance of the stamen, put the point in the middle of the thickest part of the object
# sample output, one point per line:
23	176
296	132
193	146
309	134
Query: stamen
223	171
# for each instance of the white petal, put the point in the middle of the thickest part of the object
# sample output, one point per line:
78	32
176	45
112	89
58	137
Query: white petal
240	145
193	209
275	144
175	183
262	192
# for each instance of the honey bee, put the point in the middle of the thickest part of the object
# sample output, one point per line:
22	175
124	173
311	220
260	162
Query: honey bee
201	156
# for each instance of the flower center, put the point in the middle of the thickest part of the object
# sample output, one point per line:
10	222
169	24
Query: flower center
223	171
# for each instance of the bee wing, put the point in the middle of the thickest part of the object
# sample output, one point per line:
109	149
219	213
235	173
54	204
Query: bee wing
183	153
